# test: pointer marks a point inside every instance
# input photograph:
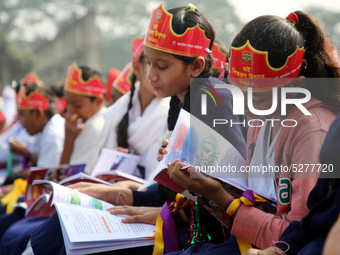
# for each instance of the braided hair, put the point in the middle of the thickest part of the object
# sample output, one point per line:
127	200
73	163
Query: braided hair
124	123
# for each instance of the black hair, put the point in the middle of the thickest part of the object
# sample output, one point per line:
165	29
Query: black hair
124	123
87	73
280	38
47	93
58	90
182	20
224	49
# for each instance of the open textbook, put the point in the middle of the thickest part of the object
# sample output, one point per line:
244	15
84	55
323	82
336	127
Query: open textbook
113	165
35	193
206	151
86	225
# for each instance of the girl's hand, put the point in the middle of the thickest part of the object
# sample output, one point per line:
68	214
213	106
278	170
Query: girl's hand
121	149
268	251
104	192
198	183
163	150
138	214
74	124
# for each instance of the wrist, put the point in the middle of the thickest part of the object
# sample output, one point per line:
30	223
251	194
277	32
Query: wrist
28	154
222	198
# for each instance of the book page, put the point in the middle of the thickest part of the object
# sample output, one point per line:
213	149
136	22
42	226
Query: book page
200	146
89	225
116	175
82	177
68	196
115	160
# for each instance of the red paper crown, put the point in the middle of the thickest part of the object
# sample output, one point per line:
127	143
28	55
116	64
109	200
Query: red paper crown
137	47
31	78
112	75
75	84
250	68
160	36
61	105
35	100
123	83
2	117
219	58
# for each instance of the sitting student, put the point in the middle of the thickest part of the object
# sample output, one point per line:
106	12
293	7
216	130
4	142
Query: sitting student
137	121
275	145
307	237
84	120
37	111
16	141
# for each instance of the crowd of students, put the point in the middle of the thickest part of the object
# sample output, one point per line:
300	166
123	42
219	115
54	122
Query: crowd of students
165	75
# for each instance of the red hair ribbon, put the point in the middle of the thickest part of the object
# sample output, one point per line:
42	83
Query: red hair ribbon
293	18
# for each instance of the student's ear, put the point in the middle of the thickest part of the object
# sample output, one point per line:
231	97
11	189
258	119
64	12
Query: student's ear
197	66
100	100
39	112
136	68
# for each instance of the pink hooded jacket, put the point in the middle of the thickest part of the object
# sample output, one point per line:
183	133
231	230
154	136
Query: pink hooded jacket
295	145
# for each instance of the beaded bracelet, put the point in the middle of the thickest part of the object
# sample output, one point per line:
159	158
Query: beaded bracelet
280	252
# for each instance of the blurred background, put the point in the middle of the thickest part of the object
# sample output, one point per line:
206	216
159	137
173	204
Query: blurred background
46	36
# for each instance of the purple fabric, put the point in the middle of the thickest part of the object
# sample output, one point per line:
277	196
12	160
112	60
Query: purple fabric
250	195
170	235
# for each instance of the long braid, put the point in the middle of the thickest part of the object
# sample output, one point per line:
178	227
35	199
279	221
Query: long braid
124	123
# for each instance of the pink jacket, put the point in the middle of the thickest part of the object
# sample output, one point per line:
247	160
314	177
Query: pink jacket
295	145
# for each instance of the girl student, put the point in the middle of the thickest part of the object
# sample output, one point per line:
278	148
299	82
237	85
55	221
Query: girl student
137	121
169	70
295	43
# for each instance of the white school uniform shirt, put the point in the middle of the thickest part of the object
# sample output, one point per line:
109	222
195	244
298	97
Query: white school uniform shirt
145	131
84	149
18	132
264	183
52	142
9	107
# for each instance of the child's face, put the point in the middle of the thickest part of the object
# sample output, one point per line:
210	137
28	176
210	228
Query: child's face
168	75
82	105
30	120
262	101
141	70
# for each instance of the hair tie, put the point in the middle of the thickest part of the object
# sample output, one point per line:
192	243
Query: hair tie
191	8
293	18
280	252
207	50
304	63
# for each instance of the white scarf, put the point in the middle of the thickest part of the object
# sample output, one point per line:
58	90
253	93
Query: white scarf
145	132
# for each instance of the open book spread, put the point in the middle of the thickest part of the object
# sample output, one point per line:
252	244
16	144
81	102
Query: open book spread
206	151
113	165
86	225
